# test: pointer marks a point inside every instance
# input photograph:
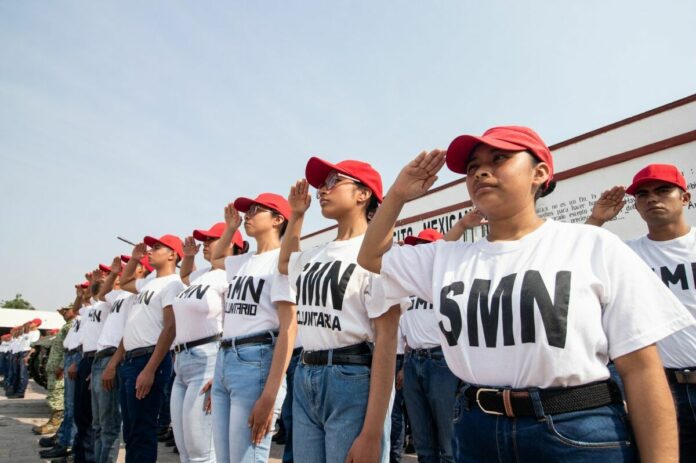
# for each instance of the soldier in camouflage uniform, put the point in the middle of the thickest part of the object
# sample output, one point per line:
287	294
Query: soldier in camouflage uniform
54	374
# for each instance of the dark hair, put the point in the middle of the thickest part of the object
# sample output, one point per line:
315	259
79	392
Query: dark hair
372	204
95	287
284	225
236	250
544	190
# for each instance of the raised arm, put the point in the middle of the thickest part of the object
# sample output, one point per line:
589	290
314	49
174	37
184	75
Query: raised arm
413	181
471	219
232	221
188	263
128	275
607	206
299	199
108	284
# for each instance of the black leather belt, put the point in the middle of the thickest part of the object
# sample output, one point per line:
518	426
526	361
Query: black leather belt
72	351
296	351
139	352
199	342
264	338
429	353
358	354
681	375
108	352
518	402
89	354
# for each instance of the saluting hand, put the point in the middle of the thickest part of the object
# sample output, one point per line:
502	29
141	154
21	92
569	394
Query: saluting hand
609	204
472	219
419	175
190	247
232	217
139	251
299	197
116	265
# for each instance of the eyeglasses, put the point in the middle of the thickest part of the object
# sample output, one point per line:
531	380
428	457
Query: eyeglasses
255	209
333	180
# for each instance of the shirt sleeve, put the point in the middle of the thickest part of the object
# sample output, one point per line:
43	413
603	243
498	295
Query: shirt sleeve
638	309
375	299
140	283
294	270
170	292
280	289
408	271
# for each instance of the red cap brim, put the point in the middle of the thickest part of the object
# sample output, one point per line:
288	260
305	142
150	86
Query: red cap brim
317	170
633	188
105	268
461	147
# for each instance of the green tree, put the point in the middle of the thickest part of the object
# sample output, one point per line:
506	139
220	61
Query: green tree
17	303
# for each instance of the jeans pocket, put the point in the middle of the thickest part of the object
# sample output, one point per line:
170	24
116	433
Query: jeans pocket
602	427
253	355
352	372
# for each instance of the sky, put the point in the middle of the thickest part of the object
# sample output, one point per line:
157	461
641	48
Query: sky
146	118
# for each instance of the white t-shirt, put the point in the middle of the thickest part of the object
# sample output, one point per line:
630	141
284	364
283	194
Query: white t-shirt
26	340
198	308
400	341
336	298
93	322
119	303
254	289
419	325
547	310
196	274
4	346
674	262
146	316
72	339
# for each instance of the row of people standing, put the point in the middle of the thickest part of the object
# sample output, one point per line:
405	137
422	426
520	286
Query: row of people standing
525	361
14	357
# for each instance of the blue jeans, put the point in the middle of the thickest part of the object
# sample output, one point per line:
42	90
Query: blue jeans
21	379
240	376
685	403
83	446
599	434
398	419
140	415
329	406
3	365
106	415
11	373
164	418
286	410
67	430
430	390
192	426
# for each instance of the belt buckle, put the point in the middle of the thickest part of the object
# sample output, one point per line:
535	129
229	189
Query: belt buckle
177	348
685	377
478	401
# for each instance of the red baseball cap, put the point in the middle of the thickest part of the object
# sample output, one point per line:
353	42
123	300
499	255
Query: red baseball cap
36	321
317	170
53	331
85	284
216	232
144	262
269	200
507	138
171	241
104	268
426	236
657	172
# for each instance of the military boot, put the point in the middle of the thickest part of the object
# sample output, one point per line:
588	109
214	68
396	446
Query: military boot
51	426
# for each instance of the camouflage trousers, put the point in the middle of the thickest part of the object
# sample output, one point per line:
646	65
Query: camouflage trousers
55	393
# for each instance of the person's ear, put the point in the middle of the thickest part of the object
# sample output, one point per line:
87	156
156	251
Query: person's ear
541	175
686	198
